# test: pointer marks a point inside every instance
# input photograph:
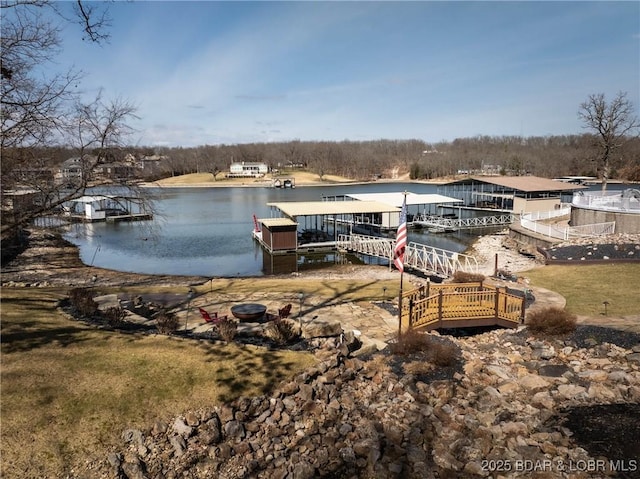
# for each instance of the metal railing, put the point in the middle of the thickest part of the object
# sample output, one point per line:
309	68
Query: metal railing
438	222
427	259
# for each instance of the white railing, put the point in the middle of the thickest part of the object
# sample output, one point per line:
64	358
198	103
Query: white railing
420	257
464	223
544	229
627	201
595	229
533	222
546	215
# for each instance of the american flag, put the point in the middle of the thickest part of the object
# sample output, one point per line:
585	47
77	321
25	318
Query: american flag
401	238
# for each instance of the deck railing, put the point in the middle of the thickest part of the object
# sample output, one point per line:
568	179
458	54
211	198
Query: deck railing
453	305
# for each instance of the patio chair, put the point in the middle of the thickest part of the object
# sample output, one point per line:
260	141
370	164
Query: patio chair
284	312
210	319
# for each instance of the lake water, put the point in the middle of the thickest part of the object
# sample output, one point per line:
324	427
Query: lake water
207	232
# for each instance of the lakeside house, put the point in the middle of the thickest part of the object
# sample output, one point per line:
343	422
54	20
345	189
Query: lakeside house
247	170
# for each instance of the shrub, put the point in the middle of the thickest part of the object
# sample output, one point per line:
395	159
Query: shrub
464	277
115	316
437	351
409	342
442	353
282	331
82	301
551	321
166	322
227	329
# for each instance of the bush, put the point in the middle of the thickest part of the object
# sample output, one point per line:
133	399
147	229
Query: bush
227	329
282	331
551	321
115	316
166	322
464	277
82	301
438	351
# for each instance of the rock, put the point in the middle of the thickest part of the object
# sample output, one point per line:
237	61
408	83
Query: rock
553	370
633	357
571	391
533	382
320	328
181	428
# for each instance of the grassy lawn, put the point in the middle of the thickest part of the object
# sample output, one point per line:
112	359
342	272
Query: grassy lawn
69	390
586	287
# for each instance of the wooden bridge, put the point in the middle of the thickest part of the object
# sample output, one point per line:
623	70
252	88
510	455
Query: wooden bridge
427	259
460	305
440	224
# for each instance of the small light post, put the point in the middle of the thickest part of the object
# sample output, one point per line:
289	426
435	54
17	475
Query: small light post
605	303
190	296
300	300
384	294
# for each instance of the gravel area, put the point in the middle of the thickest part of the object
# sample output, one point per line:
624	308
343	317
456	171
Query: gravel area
610	247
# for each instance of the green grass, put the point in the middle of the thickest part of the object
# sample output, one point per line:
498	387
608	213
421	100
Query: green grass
586	287
69	390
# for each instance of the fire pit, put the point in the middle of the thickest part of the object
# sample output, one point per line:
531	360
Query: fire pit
248	311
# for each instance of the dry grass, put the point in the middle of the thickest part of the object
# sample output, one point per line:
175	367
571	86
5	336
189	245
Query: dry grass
586	287
69	390
206	179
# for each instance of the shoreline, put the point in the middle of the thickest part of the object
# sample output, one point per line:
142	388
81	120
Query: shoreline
50	260
299	183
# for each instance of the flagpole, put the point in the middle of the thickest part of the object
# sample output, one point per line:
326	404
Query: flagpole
400	306
400	254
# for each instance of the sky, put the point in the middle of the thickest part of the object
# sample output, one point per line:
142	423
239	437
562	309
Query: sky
239	72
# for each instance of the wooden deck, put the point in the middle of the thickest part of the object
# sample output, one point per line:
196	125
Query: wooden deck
460	305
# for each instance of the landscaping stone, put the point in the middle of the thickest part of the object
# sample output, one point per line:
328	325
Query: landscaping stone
346	417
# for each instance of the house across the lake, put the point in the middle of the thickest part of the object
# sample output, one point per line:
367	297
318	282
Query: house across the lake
247	170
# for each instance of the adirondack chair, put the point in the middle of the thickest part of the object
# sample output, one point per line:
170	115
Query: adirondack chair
284	312
210	319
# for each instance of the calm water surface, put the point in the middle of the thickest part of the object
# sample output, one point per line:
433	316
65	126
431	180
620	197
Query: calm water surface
207	231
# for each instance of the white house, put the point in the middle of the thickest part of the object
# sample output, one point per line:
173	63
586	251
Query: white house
247	170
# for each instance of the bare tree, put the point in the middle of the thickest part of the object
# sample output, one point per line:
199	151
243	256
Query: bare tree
43	110
613	124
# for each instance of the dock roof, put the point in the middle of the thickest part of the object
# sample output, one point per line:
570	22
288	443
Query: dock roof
273	222
395	199
528	184
313	208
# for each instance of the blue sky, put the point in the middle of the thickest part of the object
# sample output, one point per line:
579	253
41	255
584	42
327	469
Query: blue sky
238	72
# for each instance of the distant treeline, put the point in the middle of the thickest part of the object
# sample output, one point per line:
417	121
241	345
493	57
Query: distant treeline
548	156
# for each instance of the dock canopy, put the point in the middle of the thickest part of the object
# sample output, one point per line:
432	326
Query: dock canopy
319	208
395	199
